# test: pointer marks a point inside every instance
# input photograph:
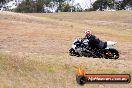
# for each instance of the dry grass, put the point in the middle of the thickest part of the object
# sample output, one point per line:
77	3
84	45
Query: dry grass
35	48
38	71
22	72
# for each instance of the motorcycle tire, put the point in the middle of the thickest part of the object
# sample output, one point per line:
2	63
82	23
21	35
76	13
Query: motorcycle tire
111	54
72	52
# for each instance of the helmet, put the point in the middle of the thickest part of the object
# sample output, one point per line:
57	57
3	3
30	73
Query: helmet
88	33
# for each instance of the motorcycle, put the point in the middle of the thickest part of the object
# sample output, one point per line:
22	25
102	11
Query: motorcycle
80	47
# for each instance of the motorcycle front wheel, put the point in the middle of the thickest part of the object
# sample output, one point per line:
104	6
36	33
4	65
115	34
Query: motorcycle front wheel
72	52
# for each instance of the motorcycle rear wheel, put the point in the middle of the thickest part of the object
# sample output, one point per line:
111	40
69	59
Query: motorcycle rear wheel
111	54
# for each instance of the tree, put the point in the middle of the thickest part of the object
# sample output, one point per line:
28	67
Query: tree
66	7
60	4
126	3
39	6
103	4
29	6
122	4
77	8
24	7
2	1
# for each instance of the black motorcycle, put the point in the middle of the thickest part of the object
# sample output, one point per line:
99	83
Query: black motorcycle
80	48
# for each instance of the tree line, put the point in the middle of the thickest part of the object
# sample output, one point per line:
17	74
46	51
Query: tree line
111	4
38	6
47	6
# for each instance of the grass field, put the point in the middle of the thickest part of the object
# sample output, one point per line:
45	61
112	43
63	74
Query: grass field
34	48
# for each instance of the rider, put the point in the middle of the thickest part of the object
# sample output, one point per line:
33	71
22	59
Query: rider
94	42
